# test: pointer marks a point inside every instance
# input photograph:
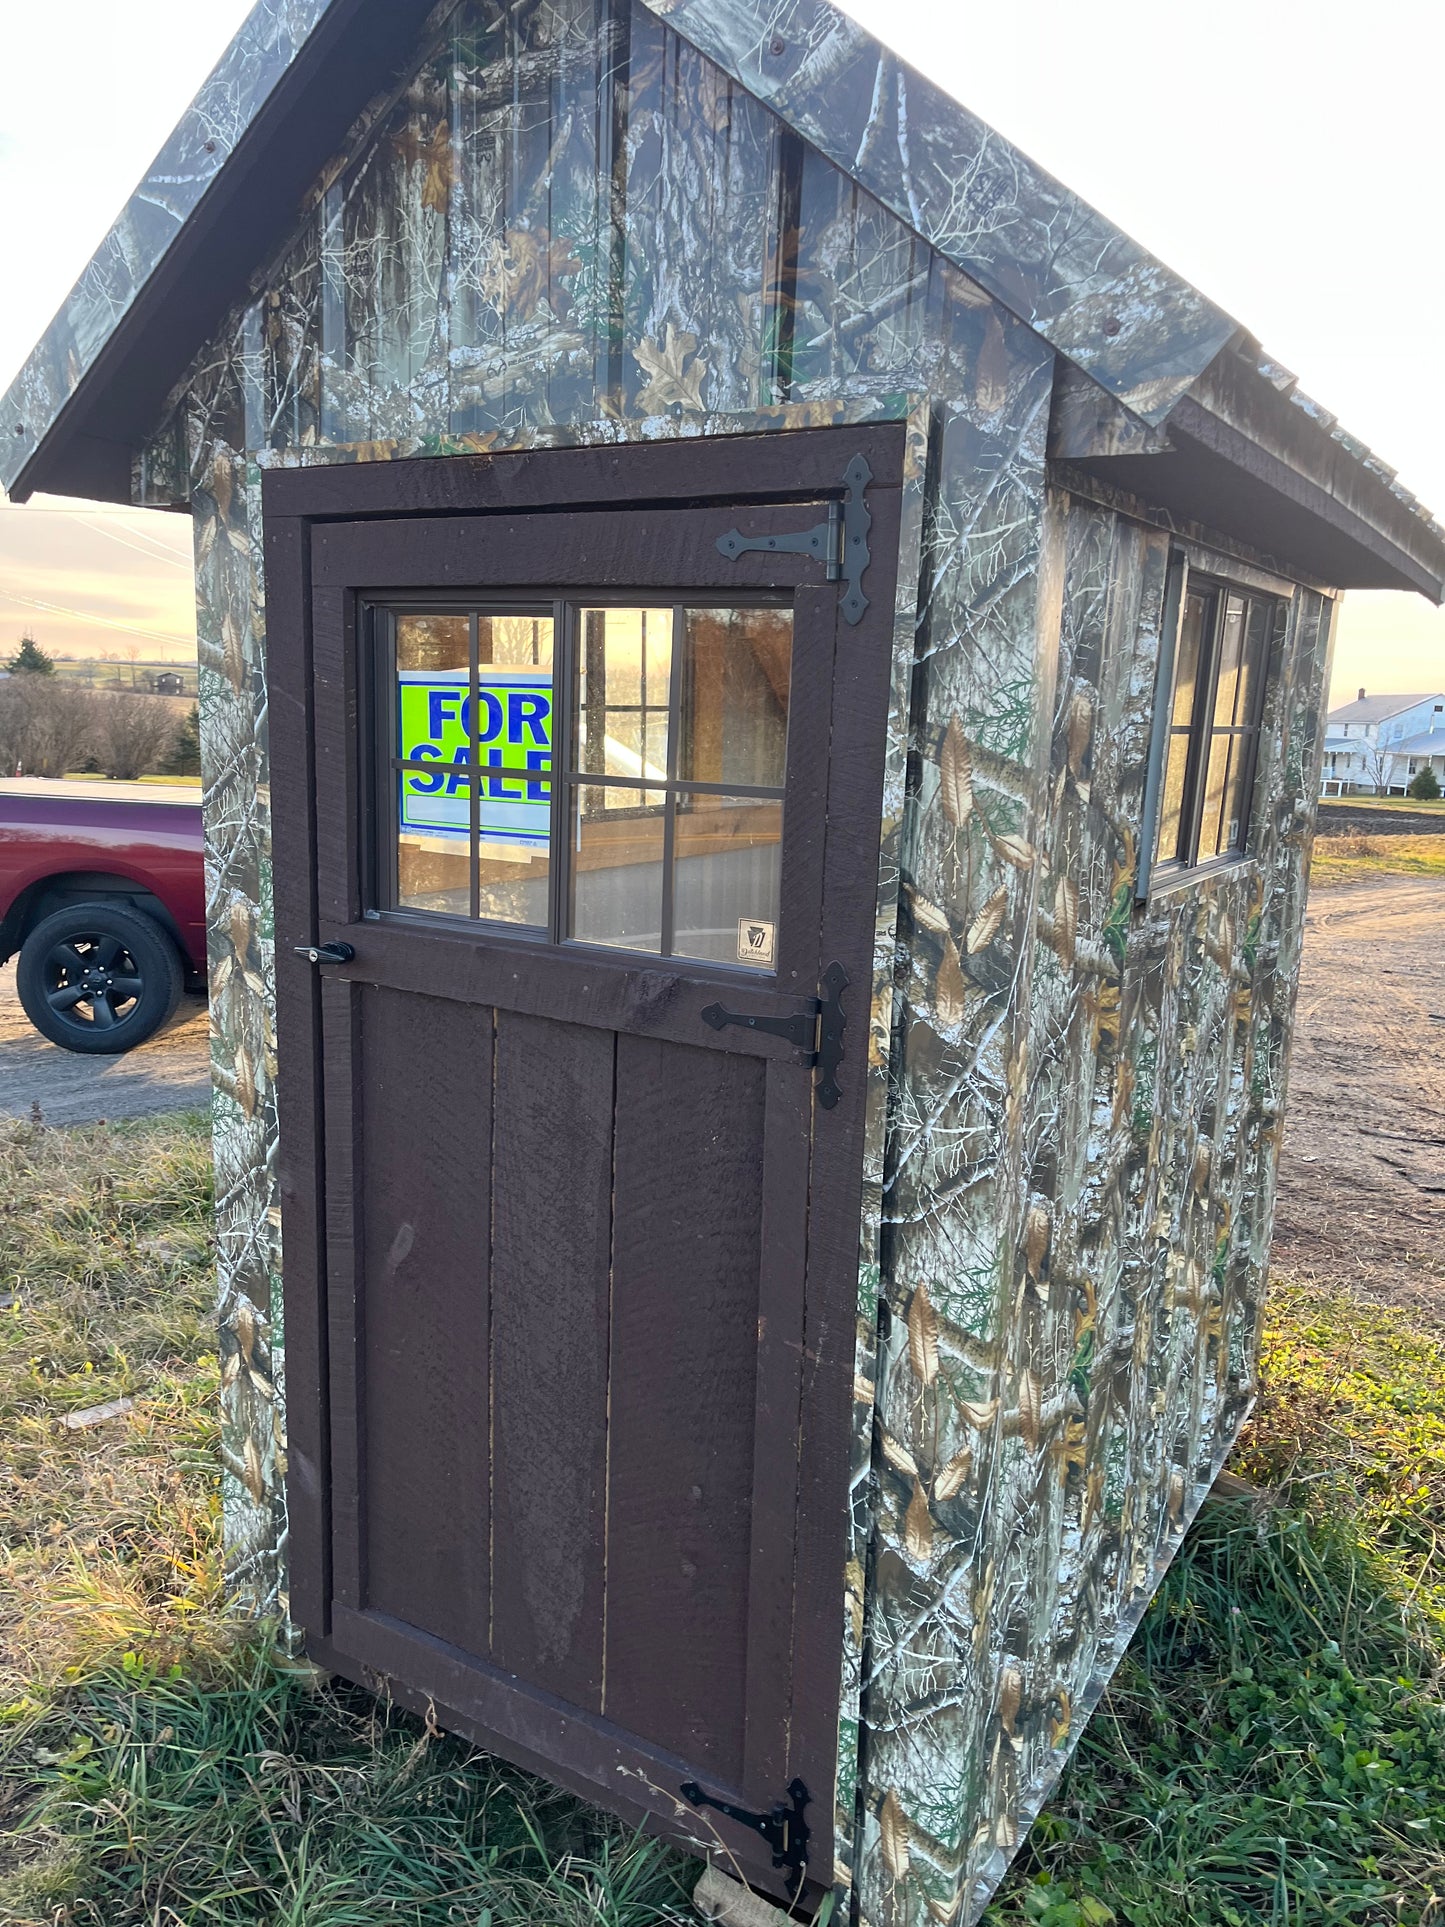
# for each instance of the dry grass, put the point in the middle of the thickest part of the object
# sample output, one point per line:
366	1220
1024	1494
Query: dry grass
160	1764
1339	859
108	1538
1272	1749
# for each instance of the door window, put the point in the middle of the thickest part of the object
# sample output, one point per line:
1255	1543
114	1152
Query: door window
590	772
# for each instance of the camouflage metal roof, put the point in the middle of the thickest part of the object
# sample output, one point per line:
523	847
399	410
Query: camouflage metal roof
1139	330
1287	384
1142	333
149	224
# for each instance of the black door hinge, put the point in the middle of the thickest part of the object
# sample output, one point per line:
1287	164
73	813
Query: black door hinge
800	1030
817	1033
840	543
832	1021
783	1827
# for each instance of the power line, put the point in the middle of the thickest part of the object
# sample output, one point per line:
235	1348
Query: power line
153	553
157	551
101	622
108	508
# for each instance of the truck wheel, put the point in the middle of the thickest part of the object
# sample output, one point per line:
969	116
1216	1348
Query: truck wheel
98	977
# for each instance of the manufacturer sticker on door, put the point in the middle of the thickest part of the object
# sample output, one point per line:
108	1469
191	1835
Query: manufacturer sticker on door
756	941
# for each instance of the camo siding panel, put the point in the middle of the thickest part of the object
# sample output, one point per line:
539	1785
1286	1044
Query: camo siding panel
571	227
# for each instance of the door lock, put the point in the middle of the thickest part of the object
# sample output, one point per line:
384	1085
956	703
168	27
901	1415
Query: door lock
325	953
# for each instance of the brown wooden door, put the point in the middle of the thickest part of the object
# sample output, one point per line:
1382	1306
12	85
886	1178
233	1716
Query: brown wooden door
570	1257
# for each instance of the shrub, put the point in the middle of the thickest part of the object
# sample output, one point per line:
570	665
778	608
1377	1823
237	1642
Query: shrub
134	735
1425	786
46	726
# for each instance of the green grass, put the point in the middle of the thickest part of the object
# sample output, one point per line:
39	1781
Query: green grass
1341	859
1435	807
250	1796
1271	1751
159	1762
1273	1747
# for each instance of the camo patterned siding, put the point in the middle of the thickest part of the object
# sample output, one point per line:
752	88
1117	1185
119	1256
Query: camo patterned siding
572	227
1112	309
1082	1146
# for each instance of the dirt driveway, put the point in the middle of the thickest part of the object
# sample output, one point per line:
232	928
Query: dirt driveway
1362	1179
172	1072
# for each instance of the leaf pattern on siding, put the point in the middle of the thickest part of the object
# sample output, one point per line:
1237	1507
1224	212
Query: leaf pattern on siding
1074	1105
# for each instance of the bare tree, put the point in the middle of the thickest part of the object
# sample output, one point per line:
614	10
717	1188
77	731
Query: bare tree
1380	766
47	726
12	729
134	735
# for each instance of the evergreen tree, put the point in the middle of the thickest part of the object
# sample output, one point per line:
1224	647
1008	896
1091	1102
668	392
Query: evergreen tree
1426	786
185	758
30	660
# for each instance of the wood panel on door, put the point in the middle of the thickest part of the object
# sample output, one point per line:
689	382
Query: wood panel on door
569	1358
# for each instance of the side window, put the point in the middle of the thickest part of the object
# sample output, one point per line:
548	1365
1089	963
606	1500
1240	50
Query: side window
1206	747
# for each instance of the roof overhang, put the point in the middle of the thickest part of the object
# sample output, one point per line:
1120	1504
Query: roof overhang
1162	394
232	178
216	202
1246	456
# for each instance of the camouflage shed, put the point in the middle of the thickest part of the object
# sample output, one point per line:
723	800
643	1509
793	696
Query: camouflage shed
784	659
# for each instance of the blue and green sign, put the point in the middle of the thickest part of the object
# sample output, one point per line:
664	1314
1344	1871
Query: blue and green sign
514	753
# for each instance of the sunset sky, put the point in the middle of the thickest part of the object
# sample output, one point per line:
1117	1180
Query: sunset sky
1284	156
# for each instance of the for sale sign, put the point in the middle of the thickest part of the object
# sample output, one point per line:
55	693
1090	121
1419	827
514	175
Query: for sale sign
513	740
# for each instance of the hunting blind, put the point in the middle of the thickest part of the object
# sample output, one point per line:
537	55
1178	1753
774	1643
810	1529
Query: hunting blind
762	681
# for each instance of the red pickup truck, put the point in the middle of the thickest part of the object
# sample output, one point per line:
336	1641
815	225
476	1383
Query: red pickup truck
102	893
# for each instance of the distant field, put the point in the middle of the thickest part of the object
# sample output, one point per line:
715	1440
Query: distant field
1338	859
1379	816
168	782
118	674
1380	803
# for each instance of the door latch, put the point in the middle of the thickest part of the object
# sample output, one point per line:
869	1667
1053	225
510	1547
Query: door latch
840	543
817	1033
783	1827
325	953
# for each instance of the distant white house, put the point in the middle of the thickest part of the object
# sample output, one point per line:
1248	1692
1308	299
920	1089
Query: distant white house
1375	745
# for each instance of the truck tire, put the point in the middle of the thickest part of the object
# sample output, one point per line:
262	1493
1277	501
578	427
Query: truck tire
98	977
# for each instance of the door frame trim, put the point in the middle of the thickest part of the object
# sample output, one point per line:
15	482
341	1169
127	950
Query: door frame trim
350	482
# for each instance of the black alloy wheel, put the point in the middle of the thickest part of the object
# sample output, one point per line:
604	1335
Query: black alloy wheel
98	977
